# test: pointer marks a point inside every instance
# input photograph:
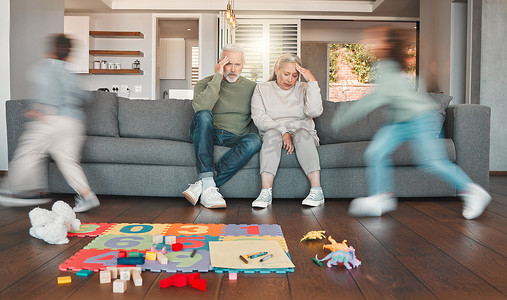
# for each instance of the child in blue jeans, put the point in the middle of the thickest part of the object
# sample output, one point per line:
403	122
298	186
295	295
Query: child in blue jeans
413	118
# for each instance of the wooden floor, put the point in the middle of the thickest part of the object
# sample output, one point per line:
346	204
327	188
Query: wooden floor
424	250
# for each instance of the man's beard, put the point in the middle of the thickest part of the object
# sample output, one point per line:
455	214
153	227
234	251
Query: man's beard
232	79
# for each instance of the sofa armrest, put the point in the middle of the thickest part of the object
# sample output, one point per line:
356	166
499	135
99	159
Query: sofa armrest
468	125
14	111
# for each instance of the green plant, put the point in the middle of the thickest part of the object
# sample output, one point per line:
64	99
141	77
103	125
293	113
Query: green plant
357	55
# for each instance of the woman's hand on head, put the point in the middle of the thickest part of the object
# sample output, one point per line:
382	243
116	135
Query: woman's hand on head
307	75
287	143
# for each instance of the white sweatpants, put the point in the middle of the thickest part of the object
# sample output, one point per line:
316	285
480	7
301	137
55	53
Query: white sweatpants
62	138
305	147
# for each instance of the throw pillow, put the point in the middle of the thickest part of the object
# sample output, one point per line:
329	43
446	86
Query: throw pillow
102	114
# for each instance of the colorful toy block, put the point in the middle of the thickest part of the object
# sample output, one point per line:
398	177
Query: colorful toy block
105	276
199	284
161	258
130	260
119	286
84	273
150	255
233	276
122	253
136	277
135	254
177	246
165	283
193	276
64	279
180	280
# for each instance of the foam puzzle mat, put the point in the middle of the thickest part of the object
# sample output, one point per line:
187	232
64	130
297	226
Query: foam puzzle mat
111	238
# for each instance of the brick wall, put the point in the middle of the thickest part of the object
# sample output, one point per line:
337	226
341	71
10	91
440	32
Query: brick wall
348	87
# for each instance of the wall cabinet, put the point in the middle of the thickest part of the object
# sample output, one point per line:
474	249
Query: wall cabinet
117	53
77	27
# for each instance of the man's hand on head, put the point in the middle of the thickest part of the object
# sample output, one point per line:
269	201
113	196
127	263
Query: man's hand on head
219	68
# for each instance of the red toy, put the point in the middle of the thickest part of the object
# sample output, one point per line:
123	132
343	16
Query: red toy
165	283
199	284
177	246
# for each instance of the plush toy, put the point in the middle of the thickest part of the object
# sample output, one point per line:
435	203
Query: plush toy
52	226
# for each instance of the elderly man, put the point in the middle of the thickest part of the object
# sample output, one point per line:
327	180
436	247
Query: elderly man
222	117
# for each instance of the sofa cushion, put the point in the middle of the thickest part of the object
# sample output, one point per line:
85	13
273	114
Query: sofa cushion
102	114
155	119
146	152
362	130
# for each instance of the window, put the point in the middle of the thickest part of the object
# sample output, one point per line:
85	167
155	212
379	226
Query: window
194	49
264	41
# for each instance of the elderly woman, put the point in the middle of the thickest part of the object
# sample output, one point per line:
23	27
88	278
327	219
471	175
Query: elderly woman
282	110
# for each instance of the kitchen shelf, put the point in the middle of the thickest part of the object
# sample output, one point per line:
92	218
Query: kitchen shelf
116	53
117	71
117	34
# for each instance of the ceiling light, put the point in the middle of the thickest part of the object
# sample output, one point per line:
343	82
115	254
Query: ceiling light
229	14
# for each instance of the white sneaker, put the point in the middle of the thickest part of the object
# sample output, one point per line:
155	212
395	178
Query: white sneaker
193	192
265	198
314	198
86	203
373	206
475	199
211	198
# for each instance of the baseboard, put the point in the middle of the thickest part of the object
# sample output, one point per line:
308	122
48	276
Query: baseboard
3	173
498	173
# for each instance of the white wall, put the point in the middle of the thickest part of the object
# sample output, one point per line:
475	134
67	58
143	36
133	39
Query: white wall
494	77
5	88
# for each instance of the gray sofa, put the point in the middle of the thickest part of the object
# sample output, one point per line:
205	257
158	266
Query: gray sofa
142	148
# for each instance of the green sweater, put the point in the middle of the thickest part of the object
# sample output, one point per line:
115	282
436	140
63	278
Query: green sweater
229	102
393	91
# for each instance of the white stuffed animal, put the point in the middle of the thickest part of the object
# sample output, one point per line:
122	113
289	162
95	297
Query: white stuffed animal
52	226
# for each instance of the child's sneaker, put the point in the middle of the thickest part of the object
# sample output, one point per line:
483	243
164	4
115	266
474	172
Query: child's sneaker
193	192
265	198
86	203
314	198
475	199
373	206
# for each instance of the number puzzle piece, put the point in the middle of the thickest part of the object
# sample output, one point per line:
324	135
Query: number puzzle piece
194	229
252	229
90	229
137	229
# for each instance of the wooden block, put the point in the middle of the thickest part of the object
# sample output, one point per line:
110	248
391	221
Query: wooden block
136	254
165	283
119	286
136	277
233	276
158	238
170	239
151	255
125	275
161	258
140	269
105	276
84	273
64	279
114	272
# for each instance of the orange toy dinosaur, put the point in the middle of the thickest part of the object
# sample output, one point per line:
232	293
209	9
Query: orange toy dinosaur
334	246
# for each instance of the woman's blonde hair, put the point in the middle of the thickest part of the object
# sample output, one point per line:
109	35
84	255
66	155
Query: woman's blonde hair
283	59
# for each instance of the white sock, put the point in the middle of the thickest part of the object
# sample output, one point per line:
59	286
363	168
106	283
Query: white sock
208	182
